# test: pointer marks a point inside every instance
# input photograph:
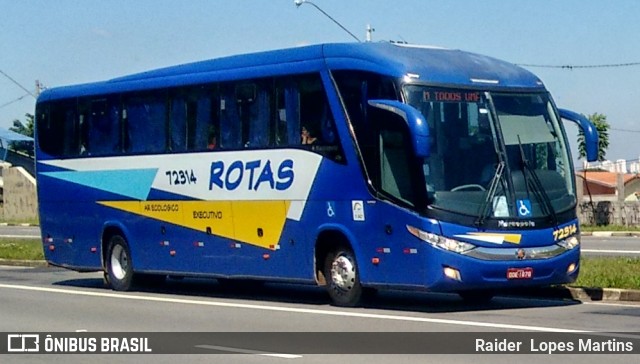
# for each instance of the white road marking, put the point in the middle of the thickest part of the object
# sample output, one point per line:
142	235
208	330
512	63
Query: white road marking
628	304
291	309
13	267
248	351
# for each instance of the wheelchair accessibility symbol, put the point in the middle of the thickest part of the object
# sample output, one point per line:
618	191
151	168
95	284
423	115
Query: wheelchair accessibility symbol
331	210
524	208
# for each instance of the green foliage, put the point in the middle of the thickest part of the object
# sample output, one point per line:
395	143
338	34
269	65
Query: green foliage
602	126
609	272
24	128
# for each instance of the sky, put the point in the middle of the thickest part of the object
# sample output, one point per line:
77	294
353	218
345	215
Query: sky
63	42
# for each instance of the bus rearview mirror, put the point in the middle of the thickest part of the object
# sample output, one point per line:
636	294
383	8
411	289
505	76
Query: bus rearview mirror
413	118
588	129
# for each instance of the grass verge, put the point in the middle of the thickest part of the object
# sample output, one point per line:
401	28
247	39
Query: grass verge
34	222
21	249
609	272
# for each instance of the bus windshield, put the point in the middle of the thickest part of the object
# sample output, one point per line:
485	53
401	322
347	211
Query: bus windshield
500	155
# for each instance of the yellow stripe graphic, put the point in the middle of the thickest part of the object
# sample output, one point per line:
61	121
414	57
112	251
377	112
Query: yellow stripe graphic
509	238
258	223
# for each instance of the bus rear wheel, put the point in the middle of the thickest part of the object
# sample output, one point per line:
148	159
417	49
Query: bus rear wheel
119	264
343	280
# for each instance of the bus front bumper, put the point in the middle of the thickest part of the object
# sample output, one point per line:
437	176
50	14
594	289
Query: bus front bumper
458	272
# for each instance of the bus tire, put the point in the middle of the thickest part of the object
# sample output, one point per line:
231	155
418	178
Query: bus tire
343	279
119	264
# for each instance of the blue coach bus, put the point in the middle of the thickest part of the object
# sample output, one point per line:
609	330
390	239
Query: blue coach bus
351	166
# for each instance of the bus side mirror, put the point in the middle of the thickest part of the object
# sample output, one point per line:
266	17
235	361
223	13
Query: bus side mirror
588	129
413	118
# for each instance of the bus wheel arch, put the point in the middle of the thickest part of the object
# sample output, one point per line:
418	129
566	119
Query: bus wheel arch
117	261
336	268
326	243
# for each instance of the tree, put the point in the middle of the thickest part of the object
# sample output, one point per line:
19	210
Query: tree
602	126
24	129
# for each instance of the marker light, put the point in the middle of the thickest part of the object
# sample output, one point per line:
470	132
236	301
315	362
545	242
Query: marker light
440	241
410	76
452	273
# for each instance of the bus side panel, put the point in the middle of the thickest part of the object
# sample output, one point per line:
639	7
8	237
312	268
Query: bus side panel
159	246
70	231
71	237
390	256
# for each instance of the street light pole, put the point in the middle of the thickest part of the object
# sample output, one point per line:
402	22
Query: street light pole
369	31
300	2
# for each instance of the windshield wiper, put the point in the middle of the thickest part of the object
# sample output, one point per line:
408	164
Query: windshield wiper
530	176
491	192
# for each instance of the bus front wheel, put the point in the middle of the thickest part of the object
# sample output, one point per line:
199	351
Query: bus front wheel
119	265
343	280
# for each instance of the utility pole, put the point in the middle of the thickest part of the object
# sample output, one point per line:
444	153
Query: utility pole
39	88
369	31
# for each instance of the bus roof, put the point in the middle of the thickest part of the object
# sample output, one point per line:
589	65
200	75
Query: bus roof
435	66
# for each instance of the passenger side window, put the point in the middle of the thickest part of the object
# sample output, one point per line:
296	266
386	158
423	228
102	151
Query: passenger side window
230	127
254	104
103	137
286	130
57	124
316	122
145	119
195	123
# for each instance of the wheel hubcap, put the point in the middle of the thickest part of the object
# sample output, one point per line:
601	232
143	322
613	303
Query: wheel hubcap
119	262
343	273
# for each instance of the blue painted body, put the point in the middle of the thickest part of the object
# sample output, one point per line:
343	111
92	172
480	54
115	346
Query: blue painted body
74	223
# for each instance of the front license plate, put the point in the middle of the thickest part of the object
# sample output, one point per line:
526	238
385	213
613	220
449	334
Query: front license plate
520	273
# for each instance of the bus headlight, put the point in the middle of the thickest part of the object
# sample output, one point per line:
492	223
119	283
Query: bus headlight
569	243
440	241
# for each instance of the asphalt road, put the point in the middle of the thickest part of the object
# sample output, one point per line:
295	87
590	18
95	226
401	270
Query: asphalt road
50	300
611	246
20	231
